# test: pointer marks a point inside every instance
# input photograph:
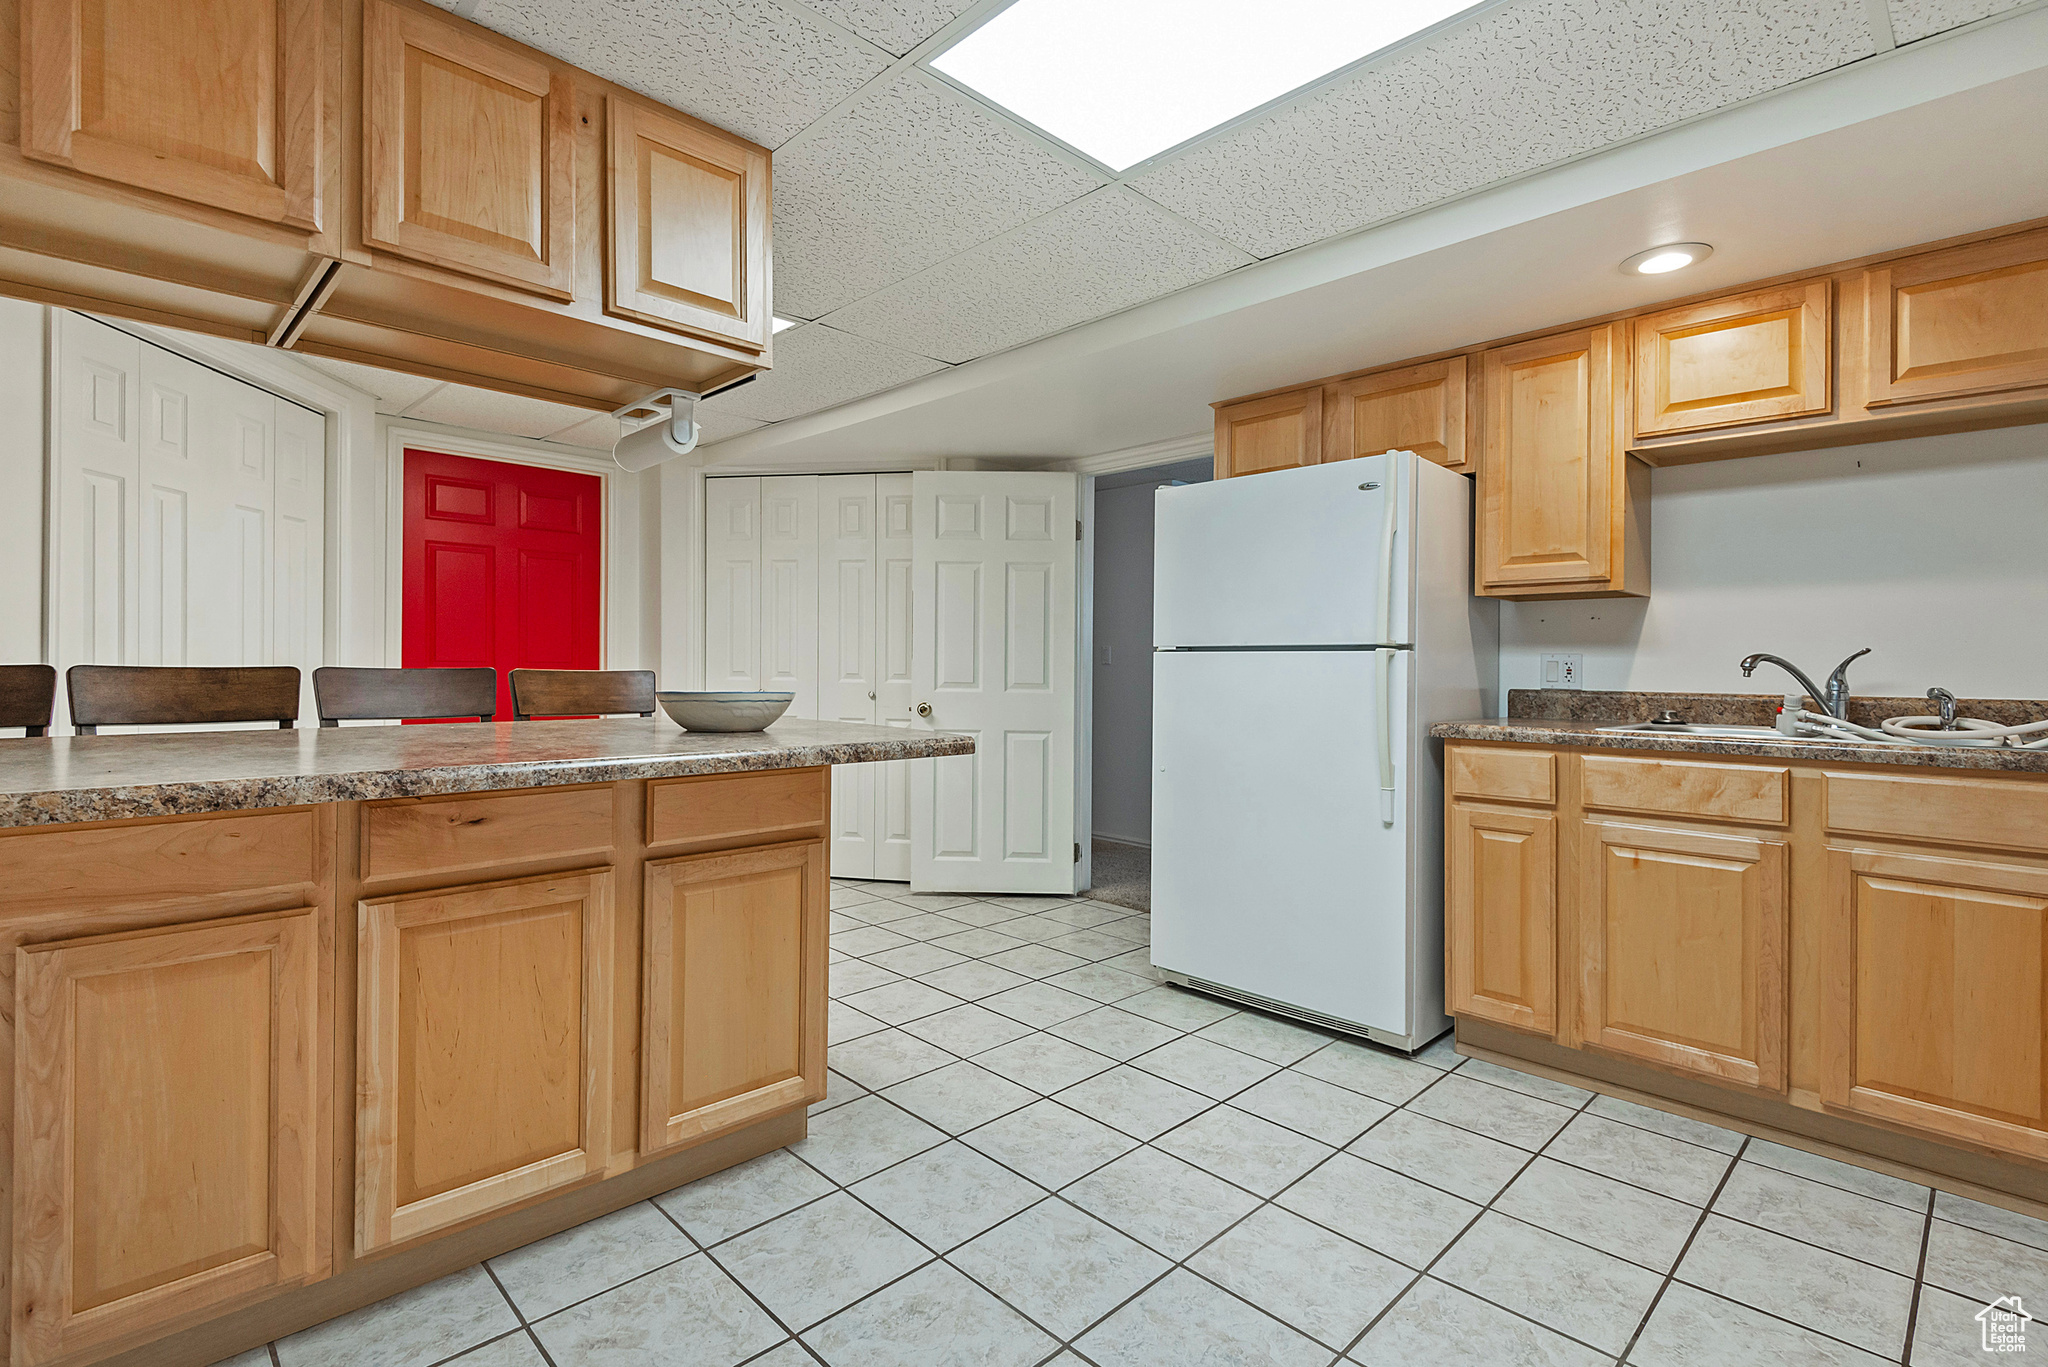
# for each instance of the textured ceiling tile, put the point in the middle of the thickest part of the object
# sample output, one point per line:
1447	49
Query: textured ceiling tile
899	182
598	430
817	367
393	389
459	405
1518	88
1916	19
713	428
753	67
898	25
1093	257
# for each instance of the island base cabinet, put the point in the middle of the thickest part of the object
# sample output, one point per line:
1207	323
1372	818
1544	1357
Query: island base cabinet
733	989
168	1113
1502	915
482	1054
1935	1018
1683	950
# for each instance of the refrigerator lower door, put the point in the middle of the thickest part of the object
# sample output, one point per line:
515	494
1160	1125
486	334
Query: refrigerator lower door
1275	875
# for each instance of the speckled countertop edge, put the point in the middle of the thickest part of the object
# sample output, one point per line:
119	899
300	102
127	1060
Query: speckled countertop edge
1587	735
43	785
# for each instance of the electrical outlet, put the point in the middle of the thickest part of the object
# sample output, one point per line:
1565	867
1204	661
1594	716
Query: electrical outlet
1563	671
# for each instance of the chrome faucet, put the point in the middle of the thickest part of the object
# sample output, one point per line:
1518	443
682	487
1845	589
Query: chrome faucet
1834	700
1945	701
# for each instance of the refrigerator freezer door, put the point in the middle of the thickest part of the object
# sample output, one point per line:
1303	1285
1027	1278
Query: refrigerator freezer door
1273	872
1287	558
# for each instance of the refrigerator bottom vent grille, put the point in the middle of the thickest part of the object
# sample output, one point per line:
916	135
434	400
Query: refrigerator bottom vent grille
1300	1013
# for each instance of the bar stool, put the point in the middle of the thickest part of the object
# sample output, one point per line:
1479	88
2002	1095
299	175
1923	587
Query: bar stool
581	692
139	695
347	694
28	694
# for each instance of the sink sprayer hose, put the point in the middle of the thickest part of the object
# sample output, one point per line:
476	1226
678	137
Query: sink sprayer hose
1969	731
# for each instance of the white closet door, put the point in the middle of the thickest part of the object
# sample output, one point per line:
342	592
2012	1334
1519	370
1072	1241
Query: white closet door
297	575
994	579
95	497
223	480
732	584
893	631
847	655
789	589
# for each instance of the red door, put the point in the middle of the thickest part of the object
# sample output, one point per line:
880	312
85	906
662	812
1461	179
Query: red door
502	566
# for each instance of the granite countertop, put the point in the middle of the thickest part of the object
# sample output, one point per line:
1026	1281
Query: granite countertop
1573	717
113	777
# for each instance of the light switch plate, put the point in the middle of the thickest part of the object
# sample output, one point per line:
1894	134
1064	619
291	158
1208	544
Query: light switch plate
1562	670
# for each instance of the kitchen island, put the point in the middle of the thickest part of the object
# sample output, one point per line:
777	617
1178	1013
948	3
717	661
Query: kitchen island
304	1018
1839	946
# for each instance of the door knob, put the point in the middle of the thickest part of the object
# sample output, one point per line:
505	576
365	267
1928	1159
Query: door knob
871	697
924	709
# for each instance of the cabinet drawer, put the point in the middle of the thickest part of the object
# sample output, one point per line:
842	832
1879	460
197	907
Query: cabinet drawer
414	836
1683	787
771	804
135	862
2004	813
1505	775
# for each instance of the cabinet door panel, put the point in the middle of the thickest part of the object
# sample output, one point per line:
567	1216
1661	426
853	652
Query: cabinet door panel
1933	1014
214	101
1757	357
167	1113
1683	950
468	155
482	1050
1419	408
689	226
734	996
1969	320
1501	916
1276	433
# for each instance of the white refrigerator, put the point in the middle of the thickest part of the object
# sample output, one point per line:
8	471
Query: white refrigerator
1308	626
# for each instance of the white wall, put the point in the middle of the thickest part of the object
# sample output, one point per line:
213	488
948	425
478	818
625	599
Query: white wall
22	393
1931	551
1122	793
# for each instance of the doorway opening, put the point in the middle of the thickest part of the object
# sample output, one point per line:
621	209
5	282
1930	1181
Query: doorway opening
1121	773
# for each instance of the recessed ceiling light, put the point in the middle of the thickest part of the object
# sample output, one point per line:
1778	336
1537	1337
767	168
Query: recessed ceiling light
1125	81
781	323
1673	256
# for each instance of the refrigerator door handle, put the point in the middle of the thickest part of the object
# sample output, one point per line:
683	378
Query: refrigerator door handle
1388	517
1383	683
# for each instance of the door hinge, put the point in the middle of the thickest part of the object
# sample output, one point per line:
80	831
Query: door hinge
1077	851
1077	529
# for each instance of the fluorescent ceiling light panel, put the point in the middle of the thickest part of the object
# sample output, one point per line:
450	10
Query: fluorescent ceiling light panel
1123	80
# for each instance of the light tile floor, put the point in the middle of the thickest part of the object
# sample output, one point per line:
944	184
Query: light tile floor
1032	1152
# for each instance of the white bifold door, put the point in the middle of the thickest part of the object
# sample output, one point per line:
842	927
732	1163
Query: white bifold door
995	561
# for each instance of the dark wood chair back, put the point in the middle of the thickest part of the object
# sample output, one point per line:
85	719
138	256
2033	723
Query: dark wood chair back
347	694
581	692
139	695
27	695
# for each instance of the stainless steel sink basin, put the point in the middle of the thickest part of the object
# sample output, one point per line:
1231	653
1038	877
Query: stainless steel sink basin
1716	732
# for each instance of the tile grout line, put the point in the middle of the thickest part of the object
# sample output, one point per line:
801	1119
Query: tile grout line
1672	1275
1919	1279
726	1272
525	1326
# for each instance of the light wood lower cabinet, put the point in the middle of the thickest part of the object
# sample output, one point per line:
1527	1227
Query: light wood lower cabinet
483	1050
1501	915
733	989
1934	1007
1681	949
169	1100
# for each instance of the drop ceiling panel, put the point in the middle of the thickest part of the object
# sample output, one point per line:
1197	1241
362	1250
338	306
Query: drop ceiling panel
1518	88
713	428
899	182
460	405
1092	257
898	25
817	367
394	390
1916	19
754	67
598	430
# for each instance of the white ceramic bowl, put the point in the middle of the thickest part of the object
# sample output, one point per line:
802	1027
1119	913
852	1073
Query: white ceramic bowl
724	711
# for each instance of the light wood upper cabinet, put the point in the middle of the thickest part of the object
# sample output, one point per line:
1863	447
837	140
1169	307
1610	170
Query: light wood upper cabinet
1419	408
1968	320
483	1050
1932	1014
170	1097
733	989
214	101
1681	949
689	226
1558	495
1275	433
468	152
1500	915
1753	357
